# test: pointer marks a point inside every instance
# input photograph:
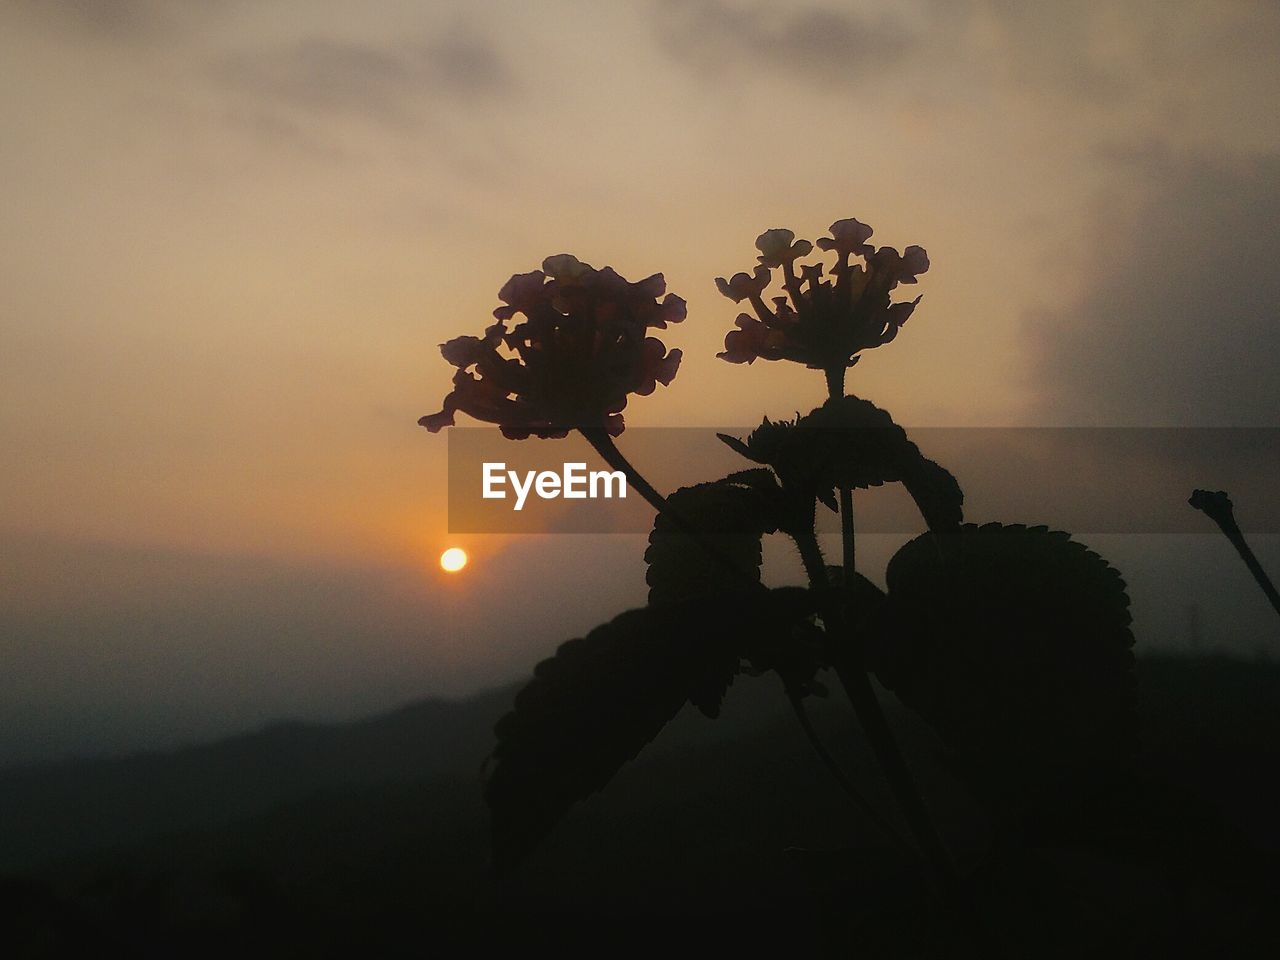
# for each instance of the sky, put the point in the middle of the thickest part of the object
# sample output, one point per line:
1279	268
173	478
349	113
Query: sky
234	234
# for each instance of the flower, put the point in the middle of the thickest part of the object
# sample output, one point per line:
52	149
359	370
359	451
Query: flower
822	323
776	247
741	285
848	237
580	351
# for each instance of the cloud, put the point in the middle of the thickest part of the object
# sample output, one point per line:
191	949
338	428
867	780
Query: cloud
713	37
327	76
1149	54
1179	323
1054	47
115	18
127	21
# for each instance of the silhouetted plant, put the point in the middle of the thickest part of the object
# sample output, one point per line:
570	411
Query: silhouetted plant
1217	506
1012	641
580	351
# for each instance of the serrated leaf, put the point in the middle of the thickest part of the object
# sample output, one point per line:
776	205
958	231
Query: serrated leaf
1014	642
735	444
593	706
850	442
761	478
723	555
855	444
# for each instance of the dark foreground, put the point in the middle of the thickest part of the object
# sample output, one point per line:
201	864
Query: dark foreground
725	838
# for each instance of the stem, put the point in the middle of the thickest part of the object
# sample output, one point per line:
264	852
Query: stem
835	382
816	570
858	687
835	391
853	677
852	671
815	567
846	533
859	801
792	285
1219	509
1255	568
812	557
603	444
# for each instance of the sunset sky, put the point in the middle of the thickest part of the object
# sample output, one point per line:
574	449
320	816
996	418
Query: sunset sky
235	233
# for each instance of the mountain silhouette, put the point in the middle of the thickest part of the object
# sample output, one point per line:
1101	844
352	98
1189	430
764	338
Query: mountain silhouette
331	839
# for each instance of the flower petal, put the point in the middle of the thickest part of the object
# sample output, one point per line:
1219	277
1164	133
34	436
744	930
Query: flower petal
565	266
523	289
465	351
848	237
773	242
914	262
776	247
743	285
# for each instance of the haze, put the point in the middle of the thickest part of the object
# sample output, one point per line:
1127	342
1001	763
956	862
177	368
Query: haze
234	234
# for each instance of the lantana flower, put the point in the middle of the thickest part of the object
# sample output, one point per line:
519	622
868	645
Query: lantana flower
821	322
571	363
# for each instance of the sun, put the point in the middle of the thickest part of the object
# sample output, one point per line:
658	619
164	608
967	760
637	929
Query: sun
453	560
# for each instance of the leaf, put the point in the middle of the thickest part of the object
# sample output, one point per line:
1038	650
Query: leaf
594	705
735	444
729	518
860	446
850	442
761	478
1014	643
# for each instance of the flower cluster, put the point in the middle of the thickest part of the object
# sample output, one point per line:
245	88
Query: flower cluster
821	322
571	363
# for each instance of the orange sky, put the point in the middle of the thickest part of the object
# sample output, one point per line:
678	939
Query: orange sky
235	233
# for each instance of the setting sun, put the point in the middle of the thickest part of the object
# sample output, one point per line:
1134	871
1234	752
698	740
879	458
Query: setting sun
453	560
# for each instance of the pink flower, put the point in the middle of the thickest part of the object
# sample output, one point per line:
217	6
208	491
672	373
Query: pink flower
900	269
742	286
848	237
776	247
822	323
579	352
751	340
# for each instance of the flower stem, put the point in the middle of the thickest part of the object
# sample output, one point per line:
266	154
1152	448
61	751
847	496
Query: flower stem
815	566
853	677
845	784
1219	509
603	444
846	533
816	570
835	391
835	382
812	557
851	668
608	450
